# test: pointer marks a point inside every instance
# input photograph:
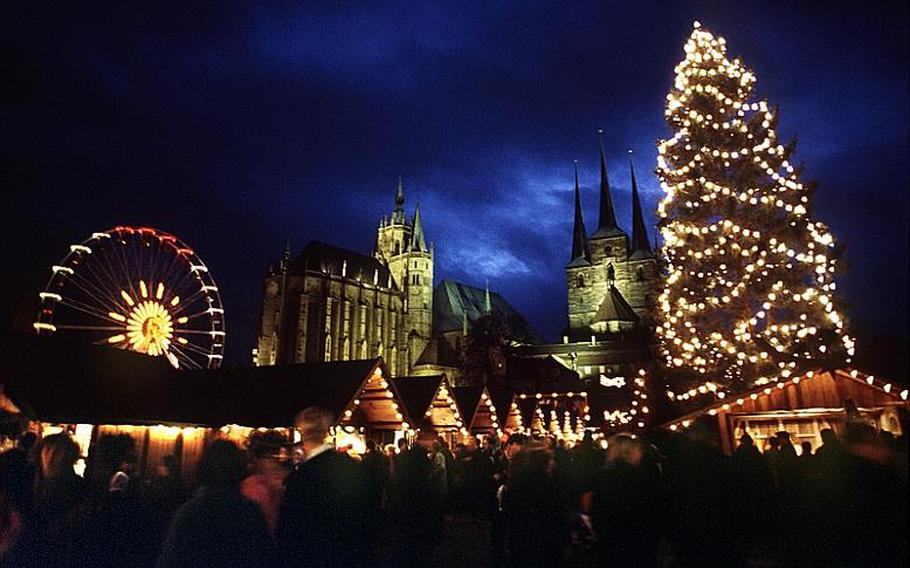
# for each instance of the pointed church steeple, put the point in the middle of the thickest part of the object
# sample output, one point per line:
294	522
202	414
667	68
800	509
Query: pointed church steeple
398	216
487	304
607	225
418	241
641	248
581	254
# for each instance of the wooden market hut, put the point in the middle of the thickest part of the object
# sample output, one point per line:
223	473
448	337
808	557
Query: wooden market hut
477	409
429	400
803	406
506	404
96	390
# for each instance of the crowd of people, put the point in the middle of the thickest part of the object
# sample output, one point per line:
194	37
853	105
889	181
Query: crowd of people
624	501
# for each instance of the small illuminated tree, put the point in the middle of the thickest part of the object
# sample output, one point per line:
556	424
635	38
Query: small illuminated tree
750	285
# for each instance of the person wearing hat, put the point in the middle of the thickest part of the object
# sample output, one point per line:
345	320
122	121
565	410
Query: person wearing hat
265	484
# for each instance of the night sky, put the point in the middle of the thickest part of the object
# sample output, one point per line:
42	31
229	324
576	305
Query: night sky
240	128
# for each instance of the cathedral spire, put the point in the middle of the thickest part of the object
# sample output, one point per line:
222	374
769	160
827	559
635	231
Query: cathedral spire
398	216
606	226
418	242
581	254
487	304
641	248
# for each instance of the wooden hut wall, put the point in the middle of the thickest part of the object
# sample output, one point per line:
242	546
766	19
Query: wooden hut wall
804	406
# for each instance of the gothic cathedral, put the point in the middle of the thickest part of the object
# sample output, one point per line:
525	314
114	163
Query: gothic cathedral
333	304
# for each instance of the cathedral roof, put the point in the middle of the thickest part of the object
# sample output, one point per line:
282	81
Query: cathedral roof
329	259
440	352
452	301
615	308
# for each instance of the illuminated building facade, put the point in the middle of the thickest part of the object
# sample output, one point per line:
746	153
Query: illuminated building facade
333	304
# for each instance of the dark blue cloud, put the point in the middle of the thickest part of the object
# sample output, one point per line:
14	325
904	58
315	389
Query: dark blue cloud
240	128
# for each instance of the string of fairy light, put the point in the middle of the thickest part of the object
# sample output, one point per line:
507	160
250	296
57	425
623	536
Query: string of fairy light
747	254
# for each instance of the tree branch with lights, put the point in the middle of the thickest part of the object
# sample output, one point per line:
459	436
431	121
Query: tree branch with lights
749	294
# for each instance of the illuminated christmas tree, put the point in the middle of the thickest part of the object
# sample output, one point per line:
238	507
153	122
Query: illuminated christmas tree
750	286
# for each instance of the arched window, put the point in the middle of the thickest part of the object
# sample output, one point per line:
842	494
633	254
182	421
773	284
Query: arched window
580	280
608	250
640	273
397	248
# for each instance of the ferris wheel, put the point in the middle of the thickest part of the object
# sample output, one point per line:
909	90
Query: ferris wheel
140	289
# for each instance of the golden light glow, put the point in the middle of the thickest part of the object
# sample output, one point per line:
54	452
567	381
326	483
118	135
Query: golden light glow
149	327
750	276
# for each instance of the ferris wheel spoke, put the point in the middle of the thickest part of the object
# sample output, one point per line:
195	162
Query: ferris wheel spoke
98	296
186	303
91	327
183	279
86	309
120	256
195	348
125	288
184	358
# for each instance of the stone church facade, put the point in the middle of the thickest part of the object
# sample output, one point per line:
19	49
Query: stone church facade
612	283
333	304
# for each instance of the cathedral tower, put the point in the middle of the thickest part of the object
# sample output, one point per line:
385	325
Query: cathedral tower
401	245
611	279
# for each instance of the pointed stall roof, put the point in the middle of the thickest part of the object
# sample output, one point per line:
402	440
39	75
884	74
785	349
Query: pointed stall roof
607	225
428	400
581	253
641	248
418	242
614	307
468	400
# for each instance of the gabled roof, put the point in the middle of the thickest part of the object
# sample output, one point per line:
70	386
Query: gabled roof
332	260
55	382
417	394
452	301
467	399
615	308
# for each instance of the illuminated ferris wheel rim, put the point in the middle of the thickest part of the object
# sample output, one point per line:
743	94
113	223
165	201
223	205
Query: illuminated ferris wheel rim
144	303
